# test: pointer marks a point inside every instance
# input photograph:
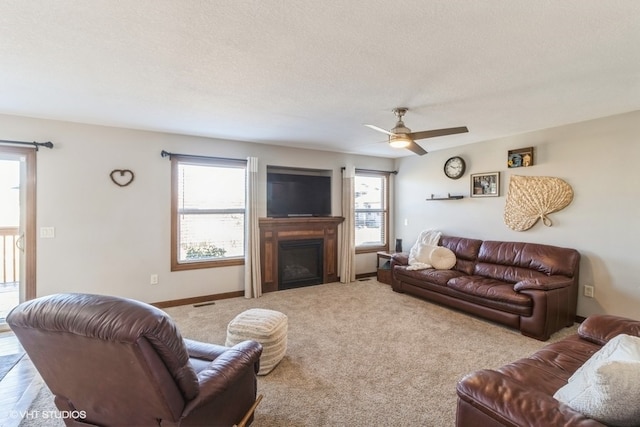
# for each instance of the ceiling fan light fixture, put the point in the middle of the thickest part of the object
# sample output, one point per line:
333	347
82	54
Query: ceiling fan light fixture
399	141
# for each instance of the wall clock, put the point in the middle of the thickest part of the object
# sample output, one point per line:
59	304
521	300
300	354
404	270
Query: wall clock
454	167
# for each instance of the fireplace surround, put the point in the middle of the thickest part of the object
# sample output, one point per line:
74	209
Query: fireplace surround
298	234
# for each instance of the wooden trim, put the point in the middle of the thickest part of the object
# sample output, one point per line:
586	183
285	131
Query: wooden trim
30	232
386	211
371	249
275	230
365	275
205	264
197	300
178	266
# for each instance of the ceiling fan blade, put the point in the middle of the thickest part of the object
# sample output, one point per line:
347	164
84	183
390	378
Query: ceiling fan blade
437	132
416	149
380	129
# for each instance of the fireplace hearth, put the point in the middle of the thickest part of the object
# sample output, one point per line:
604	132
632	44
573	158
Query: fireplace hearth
300	263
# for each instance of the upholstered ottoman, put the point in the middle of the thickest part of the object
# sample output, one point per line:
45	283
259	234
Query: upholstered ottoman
268	327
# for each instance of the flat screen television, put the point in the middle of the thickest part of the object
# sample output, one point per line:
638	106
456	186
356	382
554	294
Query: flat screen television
298	195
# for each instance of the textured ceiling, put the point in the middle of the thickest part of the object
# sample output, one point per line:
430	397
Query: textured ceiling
310	73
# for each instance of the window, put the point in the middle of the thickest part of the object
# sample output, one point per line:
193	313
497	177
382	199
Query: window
371	210
207	212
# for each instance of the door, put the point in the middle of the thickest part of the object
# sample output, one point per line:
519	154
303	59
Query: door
17	228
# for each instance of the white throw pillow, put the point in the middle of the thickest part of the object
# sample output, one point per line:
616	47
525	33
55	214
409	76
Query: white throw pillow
607	387
442	258
620	347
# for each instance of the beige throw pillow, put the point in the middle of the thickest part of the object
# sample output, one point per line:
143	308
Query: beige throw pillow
442	258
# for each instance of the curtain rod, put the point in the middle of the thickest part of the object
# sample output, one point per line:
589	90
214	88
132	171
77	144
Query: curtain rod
36	145
165	153
371	170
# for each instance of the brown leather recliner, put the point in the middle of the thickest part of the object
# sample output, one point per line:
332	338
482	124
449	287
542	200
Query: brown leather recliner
118	362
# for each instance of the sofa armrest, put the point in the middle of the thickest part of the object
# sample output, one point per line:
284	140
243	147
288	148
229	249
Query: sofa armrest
399	258
543	283
600	329
225	371
203	350
512	403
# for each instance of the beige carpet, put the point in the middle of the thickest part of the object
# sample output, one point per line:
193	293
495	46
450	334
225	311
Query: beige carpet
359	354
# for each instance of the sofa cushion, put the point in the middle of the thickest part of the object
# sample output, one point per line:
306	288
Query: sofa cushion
465	250
490	293
506	273
545	259
607	387
438	277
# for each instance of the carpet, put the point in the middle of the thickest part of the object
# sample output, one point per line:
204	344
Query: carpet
7	362
358	354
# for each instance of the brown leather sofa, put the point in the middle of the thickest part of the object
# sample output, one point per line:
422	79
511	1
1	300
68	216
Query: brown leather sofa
117	362
527	286
521	393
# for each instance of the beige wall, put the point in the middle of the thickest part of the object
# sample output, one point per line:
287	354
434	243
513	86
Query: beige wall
597	158
110	239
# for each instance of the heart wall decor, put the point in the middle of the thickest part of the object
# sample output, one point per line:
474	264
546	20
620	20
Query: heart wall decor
122	177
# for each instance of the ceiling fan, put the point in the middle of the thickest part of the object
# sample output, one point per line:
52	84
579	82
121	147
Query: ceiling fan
402	137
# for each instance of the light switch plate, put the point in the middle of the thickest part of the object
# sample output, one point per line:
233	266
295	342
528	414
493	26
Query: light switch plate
588	291
47	232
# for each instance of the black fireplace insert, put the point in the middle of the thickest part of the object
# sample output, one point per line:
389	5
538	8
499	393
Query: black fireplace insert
300	263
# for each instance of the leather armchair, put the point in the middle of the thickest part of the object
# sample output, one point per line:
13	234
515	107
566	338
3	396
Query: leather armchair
120	362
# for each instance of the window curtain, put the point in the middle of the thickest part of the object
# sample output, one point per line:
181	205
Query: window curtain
391	242
252	276
347	242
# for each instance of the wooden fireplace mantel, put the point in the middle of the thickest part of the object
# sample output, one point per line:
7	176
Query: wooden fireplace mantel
274	230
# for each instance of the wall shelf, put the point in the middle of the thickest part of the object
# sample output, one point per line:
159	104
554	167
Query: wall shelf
449	197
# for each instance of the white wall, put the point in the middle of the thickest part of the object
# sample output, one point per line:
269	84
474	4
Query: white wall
110	239
597	158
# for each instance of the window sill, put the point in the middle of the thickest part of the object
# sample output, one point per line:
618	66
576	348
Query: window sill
206	264
371	249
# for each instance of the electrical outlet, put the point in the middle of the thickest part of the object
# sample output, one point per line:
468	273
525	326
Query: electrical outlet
154	279
588	291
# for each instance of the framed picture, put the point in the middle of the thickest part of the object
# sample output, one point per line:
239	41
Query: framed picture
485	184
522	157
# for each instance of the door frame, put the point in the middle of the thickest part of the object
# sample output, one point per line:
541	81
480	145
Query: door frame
29	227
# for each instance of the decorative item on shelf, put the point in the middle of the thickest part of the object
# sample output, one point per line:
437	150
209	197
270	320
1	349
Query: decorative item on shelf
522	157
398	245
122	177
531	198
485	184
454	167
449	197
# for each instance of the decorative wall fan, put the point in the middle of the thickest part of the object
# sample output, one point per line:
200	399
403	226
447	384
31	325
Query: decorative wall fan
402	137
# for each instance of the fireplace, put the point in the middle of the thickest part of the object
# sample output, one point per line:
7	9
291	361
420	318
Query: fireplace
322	232
300	263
